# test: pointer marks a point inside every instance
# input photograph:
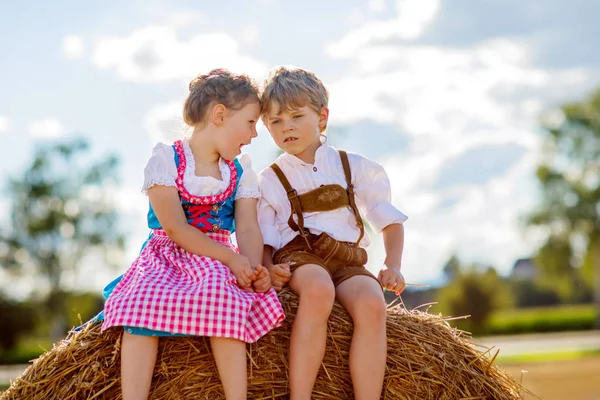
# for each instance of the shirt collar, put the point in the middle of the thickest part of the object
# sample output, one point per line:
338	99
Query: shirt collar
320	153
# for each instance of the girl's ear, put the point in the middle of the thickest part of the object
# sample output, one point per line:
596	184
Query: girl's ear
218	114
323	118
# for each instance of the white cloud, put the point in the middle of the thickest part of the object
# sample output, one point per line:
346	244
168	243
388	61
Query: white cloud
482	226
249	34
448	92
46	128
376	5
449	101
183	19
156	54
3	123
73	47
412	19
164	122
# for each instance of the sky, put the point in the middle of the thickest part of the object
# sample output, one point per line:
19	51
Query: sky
446	95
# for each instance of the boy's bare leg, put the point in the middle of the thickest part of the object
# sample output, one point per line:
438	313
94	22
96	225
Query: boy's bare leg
230	357
138	356
363	298
313	285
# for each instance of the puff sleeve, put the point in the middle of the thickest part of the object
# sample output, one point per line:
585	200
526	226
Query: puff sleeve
248	186
160	168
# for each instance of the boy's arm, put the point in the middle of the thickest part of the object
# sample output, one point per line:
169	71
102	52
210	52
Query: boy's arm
267	256
393	240
373	190
248	235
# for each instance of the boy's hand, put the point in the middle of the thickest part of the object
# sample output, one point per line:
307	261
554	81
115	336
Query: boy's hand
243	271
280	275
392	279
262	284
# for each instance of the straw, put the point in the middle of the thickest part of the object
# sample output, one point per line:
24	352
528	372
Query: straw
427	359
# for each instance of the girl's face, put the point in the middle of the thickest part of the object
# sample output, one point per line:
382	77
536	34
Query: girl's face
239	128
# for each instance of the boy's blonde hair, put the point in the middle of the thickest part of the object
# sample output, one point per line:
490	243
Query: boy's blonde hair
291	88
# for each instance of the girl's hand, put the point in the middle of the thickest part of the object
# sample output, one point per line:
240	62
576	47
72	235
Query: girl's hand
243	271
262	284
280	275
392	279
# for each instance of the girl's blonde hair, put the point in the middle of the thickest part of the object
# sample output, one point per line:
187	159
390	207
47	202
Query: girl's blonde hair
291	88
219	86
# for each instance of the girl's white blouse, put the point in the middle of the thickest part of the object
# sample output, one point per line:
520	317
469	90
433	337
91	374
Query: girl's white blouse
161	170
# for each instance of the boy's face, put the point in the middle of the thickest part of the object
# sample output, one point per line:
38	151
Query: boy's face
297	131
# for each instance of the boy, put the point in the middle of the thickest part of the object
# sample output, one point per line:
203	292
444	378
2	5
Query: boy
310	219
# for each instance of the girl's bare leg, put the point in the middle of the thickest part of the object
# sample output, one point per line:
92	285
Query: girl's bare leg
230	357
363	298
138	356
313	285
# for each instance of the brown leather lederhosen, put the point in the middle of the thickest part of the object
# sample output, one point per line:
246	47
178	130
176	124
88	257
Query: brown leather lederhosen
341	259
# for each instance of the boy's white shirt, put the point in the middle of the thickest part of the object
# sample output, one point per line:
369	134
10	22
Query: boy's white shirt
371	186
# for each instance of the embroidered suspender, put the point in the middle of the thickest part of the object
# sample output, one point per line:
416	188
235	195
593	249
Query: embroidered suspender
294	202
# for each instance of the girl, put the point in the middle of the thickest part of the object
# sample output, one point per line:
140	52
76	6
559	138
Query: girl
189	279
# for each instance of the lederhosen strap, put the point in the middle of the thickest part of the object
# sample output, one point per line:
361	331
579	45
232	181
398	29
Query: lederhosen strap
296	203
351	198
292	195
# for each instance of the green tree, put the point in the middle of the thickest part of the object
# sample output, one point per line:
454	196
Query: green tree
569	175
558	274
475	292
451	269
61	213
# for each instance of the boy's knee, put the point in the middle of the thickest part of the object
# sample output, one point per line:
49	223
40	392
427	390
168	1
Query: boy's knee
319	296
372	311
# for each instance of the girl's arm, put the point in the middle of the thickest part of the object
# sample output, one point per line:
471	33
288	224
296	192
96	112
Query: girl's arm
167	207
280	273
249	237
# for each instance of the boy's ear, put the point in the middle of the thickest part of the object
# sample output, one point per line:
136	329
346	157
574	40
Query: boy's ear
218	114
323	118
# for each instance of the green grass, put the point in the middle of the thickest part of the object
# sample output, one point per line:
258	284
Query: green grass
543	319
547	357
28	349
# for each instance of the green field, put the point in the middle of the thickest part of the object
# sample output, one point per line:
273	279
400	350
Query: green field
543	319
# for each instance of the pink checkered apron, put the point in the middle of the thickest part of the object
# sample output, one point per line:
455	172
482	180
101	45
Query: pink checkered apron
171	290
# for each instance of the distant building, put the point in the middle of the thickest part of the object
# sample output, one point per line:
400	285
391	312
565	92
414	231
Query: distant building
524	269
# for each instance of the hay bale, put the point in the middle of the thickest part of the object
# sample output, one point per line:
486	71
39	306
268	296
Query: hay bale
427	359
